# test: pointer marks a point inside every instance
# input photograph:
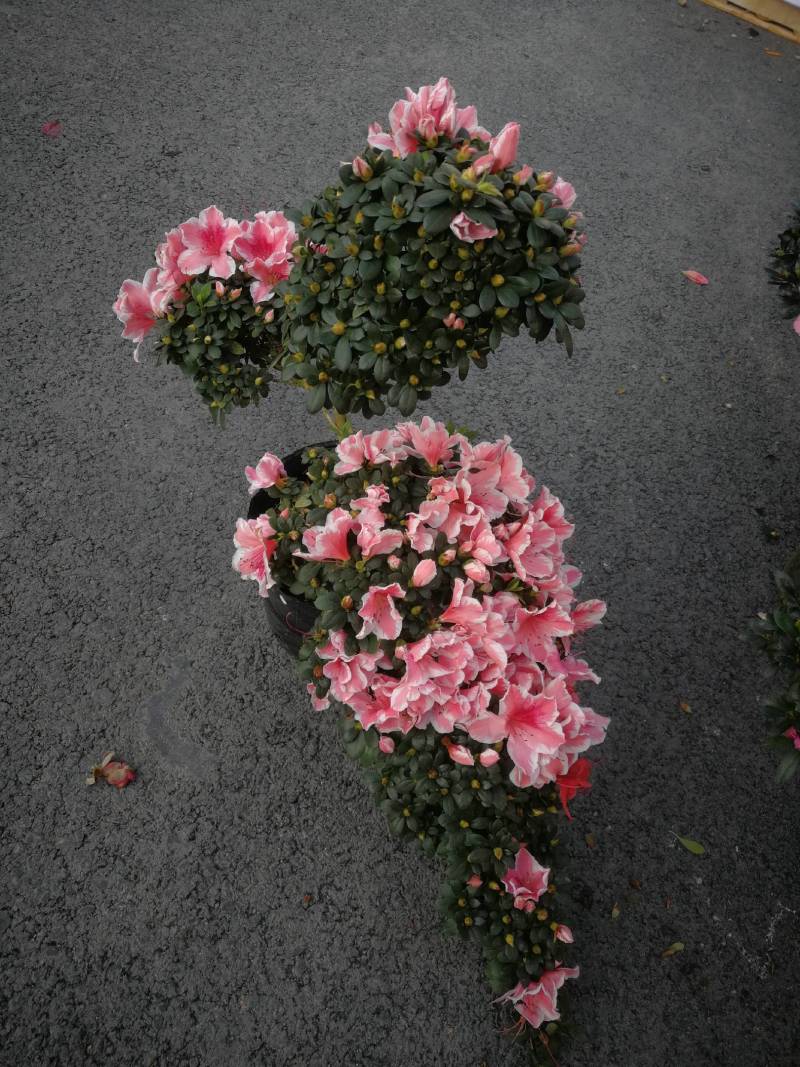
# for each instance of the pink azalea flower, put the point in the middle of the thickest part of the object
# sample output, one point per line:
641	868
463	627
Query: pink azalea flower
587	614
255	547
424	573
563	933
360	449
267	472
379	612
208	241
530	724
265	245
536	1002
427	114
386	744
464	609
526	880
170	277
488	757
371	504
453	322
523	175
793	735
533	629
329	542
348	674
466	229
430	440
395	563
474	881
374	541
134	306
796	325
565	192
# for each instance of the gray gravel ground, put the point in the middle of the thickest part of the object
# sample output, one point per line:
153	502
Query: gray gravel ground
165	924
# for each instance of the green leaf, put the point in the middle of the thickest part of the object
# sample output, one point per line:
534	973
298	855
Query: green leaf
487	298
438	219
316	398
433	198
508	296
342	355
692	846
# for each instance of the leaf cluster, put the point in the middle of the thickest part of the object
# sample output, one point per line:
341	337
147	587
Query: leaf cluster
379	270
784	270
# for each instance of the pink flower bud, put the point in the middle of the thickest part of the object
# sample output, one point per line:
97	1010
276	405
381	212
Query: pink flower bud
235	293
475	881
270	315
424	572
394	562
476	571
523	174
386	744
563	933
362	169
489	757
447	557
219	288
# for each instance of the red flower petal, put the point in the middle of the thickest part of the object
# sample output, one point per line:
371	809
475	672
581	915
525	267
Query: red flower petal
695	276
53	128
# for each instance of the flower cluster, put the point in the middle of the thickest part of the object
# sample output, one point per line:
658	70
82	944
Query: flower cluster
211	296
778	633
785	269
433	246
447	621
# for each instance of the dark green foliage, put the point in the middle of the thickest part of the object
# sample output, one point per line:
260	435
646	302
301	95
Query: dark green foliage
222	342
778	633
785	269
379	270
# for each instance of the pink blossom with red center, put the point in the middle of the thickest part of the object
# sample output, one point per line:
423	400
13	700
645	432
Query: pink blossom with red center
329	542
208	244
526	880
529	723
267	472
380	613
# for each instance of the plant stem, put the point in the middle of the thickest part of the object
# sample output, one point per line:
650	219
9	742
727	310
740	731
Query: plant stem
339	423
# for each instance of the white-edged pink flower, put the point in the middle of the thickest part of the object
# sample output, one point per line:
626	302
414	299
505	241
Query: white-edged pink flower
362	169
265	245
377	541
380	613
502	150
536	1002
329	542
526	880
348	674
529	722
208	242
267	472
360	449
424	573
563	933
564	191
134	306
466	229
488	757
255	547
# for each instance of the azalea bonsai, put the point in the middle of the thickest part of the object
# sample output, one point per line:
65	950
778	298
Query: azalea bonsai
433	246
211	298
445	639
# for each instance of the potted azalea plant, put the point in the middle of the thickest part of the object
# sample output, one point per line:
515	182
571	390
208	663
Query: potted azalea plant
443	627
419	578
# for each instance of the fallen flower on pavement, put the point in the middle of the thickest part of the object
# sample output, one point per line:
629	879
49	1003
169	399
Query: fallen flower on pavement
695	276
53	128
115	772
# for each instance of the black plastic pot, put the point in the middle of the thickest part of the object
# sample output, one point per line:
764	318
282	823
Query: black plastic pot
290	617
